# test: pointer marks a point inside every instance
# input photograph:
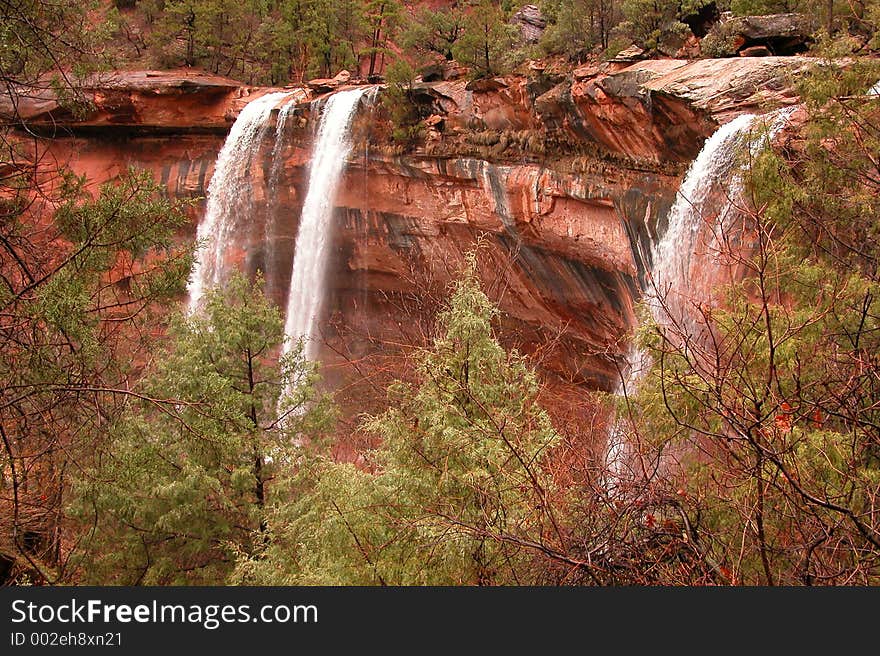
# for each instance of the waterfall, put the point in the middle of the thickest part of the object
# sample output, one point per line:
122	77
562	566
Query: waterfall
307	280
270	237
673	284
713	176
229	194
669	286
277	150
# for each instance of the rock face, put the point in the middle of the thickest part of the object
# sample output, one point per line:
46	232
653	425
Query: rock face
561	253
531	23
629	55
648	112
137	101
724	89
563	183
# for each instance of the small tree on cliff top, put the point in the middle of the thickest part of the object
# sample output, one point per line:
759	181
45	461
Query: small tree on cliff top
432	34
487	42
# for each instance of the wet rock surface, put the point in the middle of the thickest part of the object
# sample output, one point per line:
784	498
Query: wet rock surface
565	202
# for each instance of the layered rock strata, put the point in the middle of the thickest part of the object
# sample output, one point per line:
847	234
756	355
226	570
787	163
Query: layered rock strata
562	181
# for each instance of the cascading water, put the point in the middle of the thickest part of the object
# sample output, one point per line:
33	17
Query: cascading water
668	291
229	194
270	238
280	125
673	283
307	282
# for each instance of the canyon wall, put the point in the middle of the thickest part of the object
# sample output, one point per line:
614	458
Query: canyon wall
564	181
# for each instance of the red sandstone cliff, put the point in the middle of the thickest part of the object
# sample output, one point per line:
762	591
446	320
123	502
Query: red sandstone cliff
565	186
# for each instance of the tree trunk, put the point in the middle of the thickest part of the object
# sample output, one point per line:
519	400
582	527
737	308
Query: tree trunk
377	36
260	485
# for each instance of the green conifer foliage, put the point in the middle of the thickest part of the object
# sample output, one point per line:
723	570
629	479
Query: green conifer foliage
487	42
78	301
381	18
186	479
432	34
655	24
778	411
457	492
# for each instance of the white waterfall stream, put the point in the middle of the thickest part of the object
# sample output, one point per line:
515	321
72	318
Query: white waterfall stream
669	288
307	283
673	283
271	266
229	194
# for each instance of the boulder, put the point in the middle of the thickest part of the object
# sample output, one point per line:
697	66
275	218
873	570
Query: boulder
452	70
486	84
587	71
629	55
531	23
327	84
755	51
774	27
780	34
323	84
434	120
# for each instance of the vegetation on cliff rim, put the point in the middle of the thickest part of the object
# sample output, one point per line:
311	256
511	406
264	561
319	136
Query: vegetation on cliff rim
278	41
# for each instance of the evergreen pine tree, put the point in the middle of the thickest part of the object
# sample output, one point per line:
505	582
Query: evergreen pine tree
458	491
186	480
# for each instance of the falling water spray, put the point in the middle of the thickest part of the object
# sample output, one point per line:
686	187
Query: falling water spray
229	194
